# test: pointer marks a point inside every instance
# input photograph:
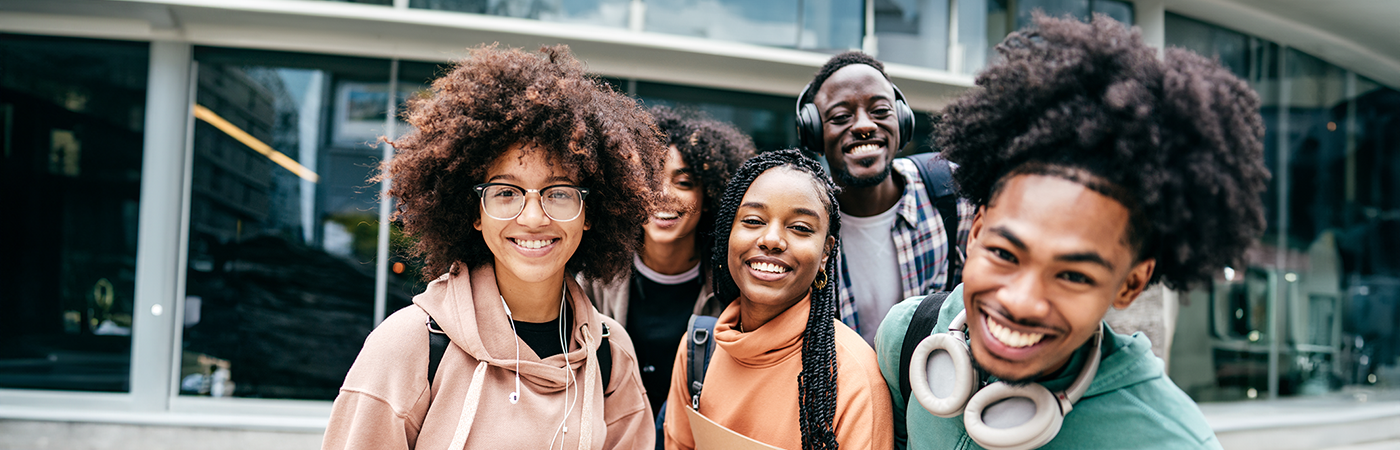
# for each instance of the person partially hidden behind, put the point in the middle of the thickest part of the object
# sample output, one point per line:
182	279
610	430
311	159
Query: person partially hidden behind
784	373
670	276
1097	169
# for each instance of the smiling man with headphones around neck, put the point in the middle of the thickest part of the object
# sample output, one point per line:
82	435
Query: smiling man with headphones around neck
1097	169
896	243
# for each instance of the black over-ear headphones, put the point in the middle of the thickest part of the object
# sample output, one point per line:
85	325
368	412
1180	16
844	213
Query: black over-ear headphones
809	121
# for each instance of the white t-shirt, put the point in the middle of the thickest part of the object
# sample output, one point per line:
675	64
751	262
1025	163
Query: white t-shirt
661	278
873	266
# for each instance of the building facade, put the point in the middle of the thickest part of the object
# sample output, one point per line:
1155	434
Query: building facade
195	249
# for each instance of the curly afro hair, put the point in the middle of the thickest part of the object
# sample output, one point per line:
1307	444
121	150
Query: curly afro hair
836	63
712	150
499	97
1177	141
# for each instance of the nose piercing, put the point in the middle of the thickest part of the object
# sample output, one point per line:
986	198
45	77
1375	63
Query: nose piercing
865	135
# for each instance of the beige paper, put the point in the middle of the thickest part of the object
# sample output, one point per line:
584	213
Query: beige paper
710	435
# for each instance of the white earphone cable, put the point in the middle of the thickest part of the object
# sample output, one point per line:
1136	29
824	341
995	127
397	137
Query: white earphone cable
568	375
514	396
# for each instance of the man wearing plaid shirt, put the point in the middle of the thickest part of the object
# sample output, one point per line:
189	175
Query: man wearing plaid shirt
893	242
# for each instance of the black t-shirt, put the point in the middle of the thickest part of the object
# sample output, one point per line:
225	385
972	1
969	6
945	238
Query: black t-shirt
543	338
657	315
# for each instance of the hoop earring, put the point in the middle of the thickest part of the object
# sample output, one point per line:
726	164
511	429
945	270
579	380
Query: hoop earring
821	280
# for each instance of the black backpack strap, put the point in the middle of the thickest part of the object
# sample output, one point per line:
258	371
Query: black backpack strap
701	332
920	326
937	175
605	358
437	345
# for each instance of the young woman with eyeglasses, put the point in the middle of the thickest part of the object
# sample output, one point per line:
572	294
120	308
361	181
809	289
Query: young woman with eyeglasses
520	173
785	372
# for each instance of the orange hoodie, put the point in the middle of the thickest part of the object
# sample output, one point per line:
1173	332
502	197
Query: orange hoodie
385	402
751	385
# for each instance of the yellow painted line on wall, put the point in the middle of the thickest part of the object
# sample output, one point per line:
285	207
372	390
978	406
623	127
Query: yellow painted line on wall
202	113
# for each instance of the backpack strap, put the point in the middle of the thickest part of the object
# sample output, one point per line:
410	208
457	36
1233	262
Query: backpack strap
438	340
437	345
937	175
920	326
701	333
605	358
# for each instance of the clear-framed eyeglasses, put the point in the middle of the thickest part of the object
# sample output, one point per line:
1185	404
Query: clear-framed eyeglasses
502	201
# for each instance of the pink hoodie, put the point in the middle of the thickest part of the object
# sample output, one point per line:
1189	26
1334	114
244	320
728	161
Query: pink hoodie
385	401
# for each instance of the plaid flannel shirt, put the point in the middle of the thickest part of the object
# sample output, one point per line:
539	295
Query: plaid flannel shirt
920	243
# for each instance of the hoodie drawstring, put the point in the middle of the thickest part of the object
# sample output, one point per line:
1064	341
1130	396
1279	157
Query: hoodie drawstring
464	424
590	373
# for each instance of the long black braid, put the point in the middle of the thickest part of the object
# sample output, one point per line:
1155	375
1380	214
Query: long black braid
816	384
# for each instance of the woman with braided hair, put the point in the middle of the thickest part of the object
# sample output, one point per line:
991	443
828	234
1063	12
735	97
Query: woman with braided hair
670	276
785	372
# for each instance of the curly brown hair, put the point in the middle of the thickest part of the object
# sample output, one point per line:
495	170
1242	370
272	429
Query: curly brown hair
712	149
1177	141
495	98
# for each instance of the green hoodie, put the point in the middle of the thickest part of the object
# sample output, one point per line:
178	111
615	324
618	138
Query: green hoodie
1130	404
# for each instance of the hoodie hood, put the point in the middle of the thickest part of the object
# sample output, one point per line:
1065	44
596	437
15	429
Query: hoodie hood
1127	360
467	306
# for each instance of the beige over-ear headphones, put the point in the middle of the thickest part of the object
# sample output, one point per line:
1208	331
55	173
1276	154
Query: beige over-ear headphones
998	416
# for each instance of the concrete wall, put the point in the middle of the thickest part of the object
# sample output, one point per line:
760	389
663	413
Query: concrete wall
38	435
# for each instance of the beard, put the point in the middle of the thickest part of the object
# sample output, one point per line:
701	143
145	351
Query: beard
846	179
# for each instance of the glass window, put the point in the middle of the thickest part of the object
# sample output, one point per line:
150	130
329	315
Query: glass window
1232	48
1054	8
367	2
405	271
282	235
1322	292
913	32
982	24
1119	10
768	119
835	25
609	13
71	123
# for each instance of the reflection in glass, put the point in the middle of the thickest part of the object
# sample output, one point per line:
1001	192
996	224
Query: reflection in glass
835	25
283	224
982	24
1317	307
768	119
405	271
913	31
367	2
609	13
71	121
1231	47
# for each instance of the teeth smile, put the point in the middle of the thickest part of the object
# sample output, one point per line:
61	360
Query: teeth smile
865	149
1012	338
666	215
533	243
768	267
